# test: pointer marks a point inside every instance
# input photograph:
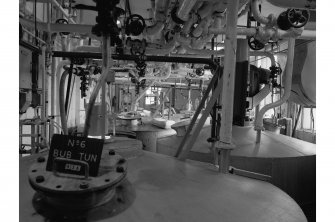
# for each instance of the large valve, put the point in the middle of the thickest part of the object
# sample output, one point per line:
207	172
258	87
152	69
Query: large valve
295	18
255	44
135	25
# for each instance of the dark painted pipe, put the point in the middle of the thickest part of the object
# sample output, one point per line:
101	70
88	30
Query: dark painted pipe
95	55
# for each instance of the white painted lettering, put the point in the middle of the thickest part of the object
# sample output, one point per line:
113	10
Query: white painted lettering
71	143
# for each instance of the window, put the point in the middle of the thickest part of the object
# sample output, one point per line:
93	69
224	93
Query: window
307	119
151	95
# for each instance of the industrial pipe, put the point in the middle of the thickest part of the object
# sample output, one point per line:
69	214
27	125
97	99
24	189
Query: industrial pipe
161	8
63	11
287	92
44	109
227	93
184	9
62	102
55	27
148	58
270	21
266	54
269	33
202	51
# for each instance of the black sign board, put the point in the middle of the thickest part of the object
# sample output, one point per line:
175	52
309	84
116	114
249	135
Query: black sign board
78	151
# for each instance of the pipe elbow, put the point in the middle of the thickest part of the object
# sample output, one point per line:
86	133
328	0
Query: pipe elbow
257	14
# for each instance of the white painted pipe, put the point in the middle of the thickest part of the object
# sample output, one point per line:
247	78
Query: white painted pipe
184	9
229	64
63	11
85	29
287	89
299	33
266	54
303	4
161	8
270	20
203	51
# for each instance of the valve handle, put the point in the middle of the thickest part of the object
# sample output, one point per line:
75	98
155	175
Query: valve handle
255	44
135	25
297	17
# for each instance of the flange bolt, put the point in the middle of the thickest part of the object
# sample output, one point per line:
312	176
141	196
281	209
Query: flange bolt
39	179
41	159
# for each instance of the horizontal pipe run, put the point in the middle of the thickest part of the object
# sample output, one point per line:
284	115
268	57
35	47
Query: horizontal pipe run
133	57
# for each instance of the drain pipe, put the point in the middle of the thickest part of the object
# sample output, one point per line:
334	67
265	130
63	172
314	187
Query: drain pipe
287	86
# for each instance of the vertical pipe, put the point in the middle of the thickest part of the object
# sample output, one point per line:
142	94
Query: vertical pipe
229	63
61	102
106	57
287	86
189	101
68	89
227	93
170	99
52	105
43	110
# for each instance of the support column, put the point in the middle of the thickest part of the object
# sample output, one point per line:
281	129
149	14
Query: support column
224	146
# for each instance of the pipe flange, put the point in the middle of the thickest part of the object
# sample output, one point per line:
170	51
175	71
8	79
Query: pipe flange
67	191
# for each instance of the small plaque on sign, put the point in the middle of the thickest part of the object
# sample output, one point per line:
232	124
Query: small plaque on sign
80	149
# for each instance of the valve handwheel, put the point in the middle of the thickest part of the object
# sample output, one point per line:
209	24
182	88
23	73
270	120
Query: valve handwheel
135	25
255	44
297	17
63	21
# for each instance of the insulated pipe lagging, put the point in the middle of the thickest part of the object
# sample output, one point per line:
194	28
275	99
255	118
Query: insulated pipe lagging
62	102
287	88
